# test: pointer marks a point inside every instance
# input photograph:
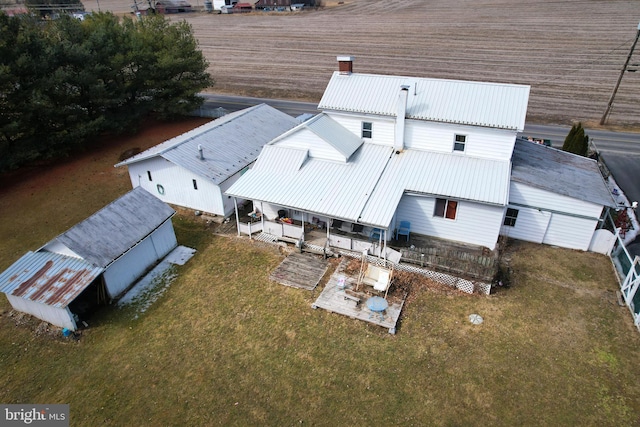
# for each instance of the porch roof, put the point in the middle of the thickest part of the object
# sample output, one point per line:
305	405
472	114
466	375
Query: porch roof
288	177
368	188
440	175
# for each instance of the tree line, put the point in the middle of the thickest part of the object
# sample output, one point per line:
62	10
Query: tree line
64	82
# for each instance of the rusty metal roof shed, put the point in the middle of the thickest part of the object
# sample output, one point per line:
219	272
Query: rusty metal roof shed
48	278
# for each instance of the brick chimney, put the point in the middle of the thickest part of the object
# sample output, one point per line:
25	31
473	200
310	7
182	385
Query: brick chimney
345	64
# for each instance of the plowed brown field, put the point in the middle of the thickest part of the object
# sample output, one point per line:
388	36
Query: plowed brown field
569	51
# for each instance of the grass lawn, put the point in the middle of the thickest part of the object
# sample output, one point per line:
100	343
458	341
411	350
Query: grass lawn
225	346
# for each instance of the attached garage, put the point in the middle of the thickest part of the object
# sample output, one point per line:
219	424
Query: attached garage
93	262
555	198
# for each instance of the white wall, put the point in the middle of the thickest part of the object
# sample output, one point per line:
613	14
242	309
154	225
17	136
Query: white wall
383	127
531	225
128	268
317	147
61	317
432	136
550	218
178	185
475	223
525	195
480	142
227	201
570	232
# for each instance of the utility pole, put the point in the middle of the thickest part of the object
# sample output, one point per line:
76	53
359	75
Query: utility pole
603	120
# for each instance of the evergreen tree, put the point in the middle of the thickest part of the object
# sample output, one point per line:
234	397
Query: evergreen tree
62	82
577	141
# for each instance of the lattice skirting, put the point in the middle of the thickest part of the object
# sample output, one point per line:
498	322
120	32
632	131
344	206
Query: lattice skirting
265	237
464	285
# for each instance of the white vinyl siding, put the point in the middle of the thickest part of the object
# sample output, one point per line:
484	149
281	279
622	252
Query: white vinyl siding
480	142
177	183
475	223
531	225
58	316
316	146
383	128
552	219
570	232
227	201
130	266
524	195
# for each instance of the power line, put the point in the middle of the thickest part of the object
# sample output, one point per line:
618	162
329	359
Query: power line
603	120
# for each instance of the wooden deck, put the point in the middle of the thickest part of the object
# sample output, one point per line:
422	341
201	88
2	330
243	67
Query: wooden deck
345	302
302	271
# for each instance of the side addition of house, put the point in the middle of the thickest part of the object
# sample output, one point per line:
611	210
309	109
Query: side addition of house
193	170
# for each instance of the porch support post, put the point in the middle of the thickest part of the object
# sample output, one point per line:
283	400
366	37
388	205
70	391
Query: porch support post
261	215
302	221
235	205
385	247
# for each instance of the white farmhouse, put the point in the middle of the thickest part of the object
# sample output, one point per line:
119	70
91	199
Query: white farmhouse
194	169
436	154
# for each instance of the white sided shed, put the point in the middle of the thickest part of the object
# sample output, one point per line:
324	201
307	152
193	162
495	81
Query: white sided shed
194	170
104	254
555	197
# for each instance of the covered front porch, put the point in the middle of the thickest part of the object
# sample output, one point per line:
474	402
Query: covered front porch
305	229
329	236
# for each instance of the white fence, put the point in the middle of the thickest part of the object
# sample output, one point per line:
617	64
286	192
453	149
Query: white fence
628	269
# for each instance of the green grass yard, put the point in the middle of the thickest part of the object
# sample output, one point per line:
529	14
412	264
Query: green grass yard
225	346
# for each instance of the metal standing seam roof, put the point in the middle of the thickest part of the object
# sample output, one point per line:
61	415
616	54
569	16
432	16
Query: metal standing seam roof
117	227
341	139
48	278
368	188
438	175
288	177
495	105
559	172
229	143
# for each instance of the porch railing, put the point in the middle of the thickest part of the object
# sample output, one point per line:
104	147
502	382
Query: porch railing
453	261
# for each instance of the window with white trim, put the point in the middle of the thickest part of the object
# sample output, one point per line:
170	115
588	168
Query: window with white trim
510	217
446	208
459	142
367	130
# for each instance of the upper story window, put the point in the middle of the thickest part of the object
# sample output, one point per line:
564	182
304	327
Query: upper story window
460	142
446	208
510	217
149	175
195	184
367	130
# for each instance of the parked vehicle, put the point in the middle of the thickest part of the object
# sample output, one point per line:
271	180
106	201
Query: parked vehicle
172	6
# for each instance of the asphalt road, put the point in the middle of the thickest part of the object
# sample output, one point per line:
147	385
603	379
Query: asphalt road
620	151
